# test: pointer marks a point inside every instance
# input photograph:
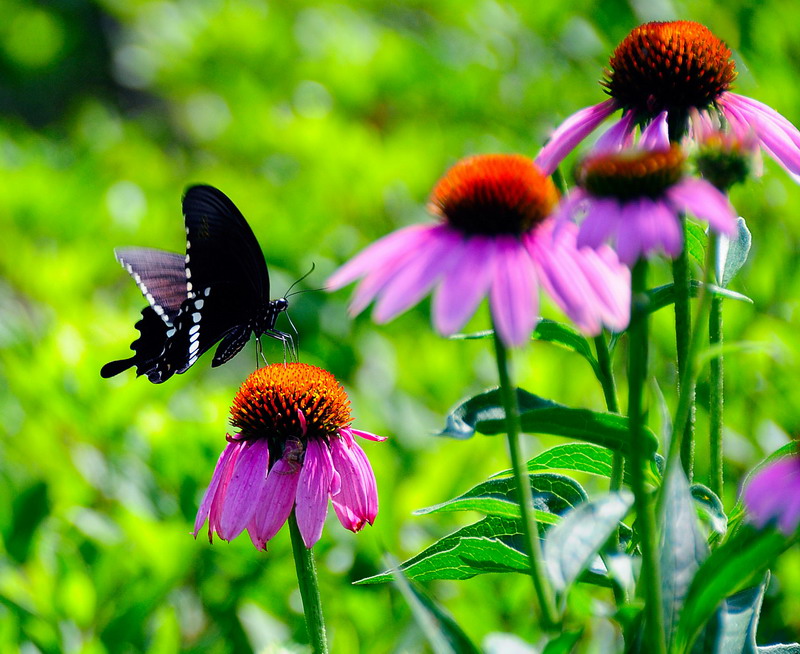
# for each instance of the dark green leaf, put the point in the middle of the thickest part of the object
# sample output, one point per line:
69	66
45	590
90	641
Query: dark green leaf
572	545
30	508
683	547
696	240
462	420
738	621
564	643
737	564
545	417
663	296
443	633
553	495
711	509
491	545
732	253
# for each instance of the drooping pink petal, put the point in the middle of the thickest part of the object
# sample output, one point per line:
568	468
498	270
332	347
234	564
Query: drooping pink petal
352	505
375	255
245	486
463	286
773	495
275	502
755	108
313	490
656	135
514	294
218	501
630	243
601	222
670	234
571	132
219	473
618	136
412	281
611	283
706	202
367	435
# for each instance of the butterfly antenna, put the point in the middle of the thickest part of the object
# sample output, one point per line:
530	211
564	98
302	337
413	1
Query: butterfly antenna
287	294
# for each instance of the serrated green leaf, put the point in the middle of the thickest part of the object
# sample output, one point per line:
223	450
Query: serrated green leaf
572	545
462	420
553	495
711	509
683	547
738	621
443	633
696	240
737	564
732	253
662	296
546	417
491	545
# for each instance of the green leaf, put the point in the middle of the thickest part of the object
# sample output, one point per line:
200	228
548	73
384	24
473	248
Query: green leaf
564	643
583	457
794	648
683	547
732	253
662	296
737	564
696	240
572	545
441	630
711	509
491	545
553	495
738	621
542	416
462	420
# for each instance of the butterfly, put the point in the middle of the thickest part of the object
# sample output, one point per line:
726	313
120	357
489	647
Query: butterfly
218	292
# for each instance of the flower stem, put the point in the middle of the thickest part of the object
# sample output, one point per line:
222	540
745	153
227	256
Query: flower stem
637	377
683	329
530	530
610	393
309	589
716	398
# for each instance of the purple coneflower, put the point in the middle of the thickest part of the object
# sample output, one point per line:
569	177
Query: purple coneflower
773	495
495	238
632	199
294	450
677	69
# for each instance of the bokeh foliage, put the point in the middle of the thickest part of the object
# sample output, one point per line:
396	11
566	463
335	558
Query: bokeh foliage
327	124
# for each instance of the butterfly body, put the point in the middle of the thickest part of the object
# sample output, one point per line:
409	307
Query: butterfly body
218	291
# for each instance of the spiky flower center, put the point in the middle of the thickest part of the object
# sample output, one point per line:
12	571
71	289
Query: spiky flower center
669	66
494	194
724	159
631	174
269	401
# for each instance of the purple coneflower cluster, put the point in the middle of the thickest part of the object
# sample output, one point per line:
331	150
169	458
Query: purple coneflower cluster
294	450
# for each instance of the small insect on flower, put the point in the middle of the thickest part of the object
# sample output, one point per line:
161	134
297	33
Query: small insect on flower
633	199
494	238
294	450
674	70
773	495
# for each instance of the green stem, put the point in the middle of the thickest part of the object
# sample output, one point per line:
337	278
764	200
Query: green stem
610	393
716	381
683	412
309	589
683	329
530	531
645	520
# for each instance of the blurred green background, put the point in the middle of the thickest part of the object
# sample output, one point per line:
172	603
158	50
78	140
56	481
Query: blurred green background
327	124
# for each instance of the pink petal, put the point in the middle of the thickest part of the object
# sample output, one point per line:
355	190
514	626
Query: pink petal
656	135
375	255
220	471
275	502
704	200
611	282
312	491
244	488
629	238
669	235
514	294
357	503
463	286
601	223
571	132
618	136
412	281
222	488
367	435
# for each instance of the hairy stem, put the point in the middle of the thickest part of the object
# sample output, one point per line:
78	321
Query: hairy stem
309	589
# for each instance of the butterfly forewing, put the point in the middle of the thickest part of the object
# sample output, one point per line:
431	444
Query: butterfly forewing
160	276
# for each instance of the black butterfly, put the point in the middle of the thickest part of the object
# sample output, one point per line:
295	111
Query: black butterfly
220	290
